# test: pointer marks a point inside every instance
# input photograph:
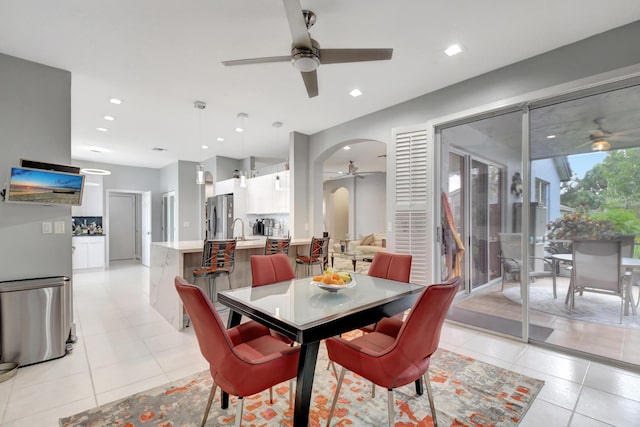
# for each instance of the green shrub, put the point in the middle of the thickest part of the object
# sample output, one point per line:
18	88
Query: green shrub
578	226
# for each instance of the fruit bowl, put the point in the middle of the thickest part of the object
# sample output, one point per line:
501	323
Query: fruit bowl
330	287
334	288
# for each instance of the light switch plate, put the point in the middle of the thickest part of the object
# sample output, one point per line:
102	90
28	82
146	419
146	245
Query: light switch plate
58	227
46	228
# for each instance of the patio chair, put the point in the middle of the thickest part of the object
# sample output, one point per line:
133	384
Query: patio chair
511	259
274	246
597	268
318	254
218	259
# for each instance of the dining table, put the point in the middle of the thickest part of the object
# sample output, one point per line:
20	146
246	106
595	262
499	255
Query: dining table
629	264
308	313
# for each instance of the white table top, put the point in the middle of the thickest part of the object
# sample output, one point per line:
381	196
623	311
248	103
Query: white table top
626	262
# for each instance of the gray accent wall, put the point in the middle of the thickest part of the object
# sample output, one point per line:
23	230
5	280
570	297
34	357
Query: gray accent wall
612	50
35	124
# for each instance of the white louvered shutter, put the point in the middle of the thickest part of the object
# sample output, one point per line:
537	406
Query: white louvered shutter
413	202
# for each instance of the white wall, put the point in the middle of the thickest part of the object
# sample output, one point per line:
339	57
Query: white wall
35	124
370	204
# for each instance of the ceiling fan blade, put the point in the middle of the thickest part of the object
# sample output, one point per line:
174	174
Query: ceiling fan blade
299	34
257	60
337	56
311	82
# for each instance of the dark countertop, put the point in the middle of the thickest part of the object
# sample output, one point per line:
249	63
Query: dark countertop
88	235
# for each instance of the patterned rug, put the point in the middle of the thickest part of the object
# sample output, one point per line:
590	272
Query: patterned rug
467	392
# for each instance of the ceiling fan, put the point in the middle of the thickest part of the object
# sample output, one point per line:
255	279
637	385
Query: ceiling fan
306	54
352	170
600	138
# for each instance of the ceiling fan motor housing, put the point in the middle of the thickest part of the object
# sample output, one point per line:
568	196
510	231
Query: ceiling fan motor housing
306	60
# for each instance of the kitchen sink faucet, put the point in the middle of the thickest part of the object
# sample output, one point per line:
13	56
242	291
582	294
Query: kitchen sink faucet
234	227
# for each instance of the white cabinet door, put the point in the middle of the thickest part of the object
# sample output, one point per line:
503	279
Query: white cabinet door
79	253
88	252
92	197
95	252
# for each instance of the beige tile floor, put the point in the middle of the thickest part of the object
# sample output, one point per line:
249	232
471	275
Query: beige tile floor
613	342
125	347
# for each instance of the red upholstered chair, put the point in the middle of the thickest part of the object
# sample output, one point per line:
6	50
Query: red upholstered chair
268	269
397	353
386	265
244	360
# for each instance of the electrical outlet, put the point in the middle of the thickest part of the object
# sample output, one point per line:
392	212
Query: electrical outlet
58	227
46	228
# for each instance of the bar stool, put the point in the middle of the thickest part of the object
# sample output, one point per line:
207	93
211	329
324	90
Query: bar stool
275	246
218	259
318	253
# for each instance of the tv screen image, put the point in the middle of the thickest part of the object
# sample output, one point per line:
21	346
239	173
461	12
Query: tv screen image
45	186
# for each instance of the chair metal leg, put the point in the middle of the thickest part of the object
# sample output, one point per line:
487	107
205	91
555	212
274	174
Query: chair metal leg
214	386
270	395
390	405
373	391
291	393
335	396
427	381
239	408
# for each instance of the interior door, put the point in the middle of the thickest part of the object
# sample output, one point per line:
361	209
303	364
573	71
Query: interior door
121	226
146	228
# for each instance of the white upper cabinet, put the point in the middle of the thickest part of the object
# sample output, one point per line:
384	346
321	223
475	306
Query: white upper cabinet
92	197
263	198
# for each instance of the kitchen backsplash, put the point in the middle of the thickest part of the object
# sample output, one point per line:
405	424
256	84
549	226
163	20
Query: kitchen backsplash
86	224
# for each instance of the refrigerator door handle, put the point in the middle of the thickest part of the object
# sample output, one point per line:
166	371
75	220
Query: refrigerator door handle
215	222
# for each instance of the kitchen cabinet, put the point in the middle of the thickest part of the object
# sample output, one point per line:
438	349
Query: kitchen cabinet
263	196
92	197
88	252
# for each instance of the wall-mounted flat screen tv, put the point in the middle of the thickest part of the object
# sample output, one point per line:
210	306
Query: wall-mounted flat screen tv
44	186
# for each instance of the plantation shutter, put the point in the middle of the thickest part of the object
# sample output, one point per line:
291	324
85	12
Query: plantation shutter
413	202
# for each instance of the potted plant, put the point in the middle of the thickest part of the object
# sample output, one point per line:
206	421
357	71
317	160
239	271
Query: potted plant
577	226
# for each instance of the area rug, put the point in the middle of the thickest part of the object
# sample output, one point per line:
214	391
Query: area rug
589	307
467	392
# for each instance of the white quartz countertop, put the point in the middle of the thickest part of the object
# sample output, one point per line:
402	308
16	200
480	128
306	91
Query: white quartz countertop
188	246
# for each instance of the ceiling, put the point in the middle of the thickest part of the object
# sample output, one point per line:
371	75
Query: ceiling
160	56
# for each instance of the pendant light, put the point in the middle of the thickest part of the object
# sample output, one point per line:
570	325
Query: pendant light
601	145
278	182
200	105
241	129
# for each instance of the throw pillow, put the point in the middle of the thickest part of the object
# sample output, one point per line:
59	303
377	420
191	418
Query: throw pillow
367	240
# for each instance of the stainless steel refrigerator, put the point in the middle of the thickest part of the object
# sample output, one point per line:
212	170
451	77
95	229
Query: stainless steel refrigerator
220	217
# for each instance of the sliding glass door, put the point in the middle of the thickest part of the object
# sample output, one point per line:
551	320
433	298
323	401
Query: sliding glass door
477	156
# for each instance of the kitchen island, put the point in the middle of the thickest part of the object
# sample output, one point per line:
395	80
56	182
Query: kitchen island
171	259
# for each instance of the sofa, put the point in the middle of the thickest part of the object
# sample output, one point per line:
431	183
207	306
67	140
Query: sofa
372	243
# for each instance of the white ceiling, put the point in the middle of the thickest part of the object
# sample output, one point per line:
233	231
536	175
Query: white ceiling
160	56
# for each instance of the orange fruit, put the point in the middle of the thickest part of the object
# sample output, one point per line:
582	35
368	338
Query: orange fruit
335	276
317	278
340	282
327	280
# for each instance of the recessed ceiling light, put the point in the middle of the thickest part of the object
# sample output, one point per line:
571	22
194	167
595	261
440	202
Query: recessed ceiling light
239	130
346	147
454	49
550	136
159	149
110	118
204	147
355	93
219	139
98	149
91	171
102	129
115	101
